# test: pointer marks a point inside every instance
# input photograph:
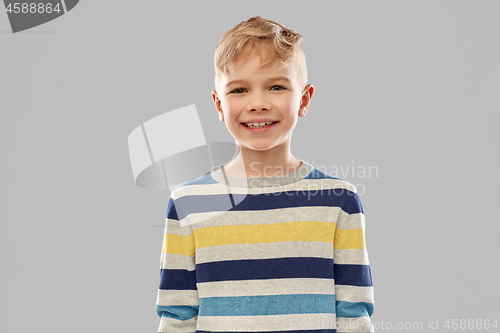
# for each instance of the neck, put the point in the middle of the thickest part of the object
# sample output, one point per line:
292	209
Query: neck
250	163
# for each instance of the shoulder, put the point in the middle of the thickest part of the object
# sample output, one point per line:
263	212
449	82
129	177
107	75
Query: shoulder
327	181
196	186
337	191
191	198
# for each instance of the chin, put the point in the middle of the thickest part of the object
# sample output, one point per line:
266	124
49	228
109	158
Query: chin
261	147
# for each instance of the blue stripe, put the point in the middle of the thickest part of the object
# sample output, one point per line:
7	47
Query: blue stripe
179	312
316	174
353	275
177	279
267	305
171	211
352	310
335	197
276	268
356	205
205	179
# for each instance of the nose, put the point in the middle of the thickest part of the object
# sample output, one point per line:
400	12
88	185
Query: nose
259	102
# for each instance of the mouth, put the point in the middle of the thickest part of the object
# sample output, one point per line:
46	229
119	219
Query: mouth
260	130
274	122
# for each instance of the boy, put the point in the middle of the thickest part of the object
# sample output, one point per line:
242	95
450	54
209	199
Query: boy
285	250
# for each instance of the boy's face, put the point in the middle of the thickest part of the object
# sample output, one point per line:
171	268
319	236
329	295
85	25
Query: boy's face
271	92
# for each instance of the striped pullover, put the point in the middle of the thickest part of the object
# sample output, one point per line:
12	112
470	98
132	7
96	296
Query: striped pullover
274	254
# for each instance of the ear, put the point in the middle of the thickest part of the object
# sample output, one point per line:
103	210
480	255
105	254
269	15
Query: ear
306	99
218	105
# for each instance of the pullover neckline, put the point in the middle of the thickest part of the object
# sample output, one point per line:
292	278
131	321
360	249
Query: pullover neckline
221	177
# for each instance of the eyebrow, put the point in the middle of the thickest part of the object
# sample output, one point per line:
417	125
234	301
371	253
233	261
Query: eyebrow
283	78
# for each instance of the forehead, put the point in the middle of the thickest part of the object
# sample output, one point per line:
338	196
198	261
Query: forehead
249	67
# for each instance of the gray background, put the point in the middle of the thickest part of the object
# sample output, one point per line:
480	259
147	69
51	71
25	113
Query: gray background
411	87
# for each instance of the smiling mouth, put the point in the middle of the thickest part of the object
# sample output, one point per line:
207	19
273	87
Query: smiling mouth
261	126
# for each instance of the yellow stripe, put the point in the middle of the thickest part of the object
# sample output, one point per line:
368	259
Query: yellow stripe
265	233
349	239
175	244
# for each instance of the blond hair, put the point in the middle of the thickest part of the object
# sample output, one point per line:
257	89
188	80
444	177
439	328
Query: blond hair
274	41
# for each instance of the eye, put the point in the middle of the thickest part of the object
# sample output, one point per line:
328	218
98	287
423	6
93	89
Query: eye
278	86
238	90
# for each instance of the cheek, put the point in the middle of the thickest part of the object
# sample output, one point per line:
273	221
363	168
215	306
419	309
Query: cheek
230	114
287	101
236	102
231	111
288	109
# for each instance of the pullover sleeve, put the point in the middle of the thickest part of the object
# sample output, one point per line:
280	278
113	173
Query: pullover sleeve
354	295
177	301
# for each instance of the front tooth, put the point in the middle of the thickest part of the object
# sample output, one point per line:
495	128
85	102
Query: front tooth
259	124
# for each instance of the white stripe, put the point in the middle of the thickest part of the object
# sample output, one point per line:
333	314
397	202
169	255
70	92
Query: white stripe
177	297
302	185
264	251
359	324
266	287
263	217
354	294
169	325
351	256
350	221
259	217
267	323
173	227
177	261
